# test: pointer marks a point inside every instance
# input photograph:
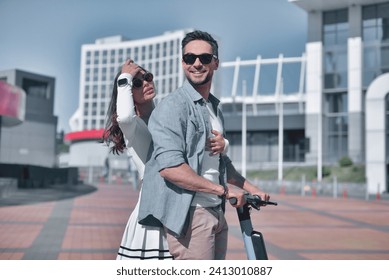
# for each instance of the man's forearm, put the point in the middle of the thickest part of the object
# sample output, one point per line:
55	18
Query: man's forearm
184	177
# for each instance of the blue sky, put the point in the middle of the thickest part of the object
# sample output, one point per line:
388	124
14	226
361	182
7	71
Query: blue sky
45	36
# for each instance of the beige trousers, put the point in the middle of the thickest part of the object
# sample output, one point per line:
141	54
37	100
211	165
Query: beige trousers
205	239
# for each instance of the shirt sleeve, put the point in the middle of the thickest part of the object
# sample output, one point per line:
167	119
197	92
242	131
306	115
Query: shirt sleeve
168	124
226	146
126	110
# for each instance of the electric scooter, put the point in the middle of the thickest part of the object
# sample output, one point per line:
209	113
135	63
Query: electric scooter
253	240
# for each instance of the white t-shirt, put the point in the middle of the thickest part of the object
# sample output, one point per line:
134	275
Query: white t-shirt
210	166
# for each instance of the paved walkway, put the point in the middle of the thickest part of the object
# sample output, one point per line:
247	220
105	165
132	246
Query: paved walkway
90	226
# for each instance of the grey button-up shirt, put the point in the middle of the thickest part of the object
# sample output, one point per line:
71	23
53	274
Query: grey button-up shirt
179	127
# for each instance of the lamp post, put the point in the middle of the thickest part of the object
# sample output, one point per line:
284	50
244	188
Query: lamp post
280	132
244	128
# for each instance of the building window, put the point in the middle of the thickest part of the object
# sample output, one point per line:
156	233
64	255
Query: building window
104	60
157	68
375	22
104	74
335	34
112	55
143	53
112	73
96	57
128	53
335	27
375	30
337	125
95	92
227	108
95	74
151	51
88	55
104	92
263	146
87	74
164	49
157	50
335	69
36	88
86	109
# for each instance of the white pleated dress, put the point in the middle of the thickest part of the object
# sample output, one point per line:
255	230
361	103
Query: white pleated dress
142	242
139	241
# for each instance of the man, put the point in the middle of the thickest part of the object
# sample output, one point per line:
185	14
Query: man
184	184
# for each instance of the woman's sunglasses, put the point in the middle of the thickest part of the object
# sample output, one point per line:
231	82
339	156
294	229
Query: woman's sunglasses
205	58
138	82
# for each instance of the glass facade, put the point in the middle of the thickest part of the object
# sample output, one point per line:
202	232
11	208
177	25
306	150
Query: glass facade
375	32
337	125
335	37
36	88
262	146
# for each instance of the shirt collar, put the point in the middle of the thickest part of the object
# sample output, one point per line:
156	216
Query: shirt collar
196	97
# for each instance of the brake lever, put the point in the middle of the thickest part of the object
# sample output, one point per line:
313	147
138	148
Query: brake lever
253	200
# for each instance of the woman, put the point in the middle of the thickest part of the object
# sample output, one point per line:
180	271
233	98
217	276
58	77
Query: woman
129	110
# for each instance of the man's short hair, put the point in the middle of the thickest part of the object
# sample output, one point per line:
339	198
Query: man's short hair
201	35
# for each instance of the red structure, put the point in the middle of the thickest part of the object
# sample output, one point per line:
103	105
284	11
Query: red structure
12	104
84	135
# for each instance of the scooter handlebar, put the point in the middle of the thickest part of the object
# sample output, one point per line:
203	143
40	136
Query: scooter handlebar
253	200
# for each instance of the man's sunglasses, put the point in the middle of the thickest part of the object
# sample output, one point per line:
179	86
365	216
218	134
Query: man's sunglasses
205	58
138	82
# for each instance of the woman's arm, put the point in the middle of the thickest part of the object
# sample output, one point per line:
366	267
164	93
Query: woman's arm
126	115
125	106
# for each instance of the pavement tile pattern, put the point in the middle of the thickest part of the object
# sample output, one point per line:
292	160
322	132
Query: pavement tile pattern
88	225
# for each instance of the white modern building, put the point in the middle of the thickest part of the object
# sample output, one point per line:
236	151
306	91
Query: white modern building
333	100
348	83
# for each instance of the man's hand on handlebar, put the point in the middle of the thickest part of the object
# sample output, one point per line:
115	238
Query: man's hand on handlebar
262	195
253	200
238	194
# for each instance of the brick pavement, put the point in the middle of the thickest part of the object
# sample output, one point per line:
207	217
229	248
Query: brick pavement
90	226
